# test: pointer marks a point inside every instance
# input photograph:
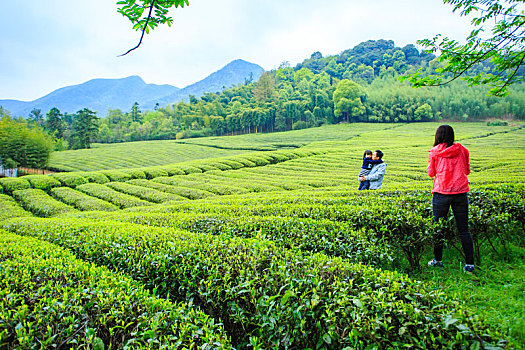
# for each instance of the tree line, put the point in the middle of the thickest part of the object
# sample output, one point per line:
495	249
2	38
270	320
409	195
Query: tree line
358	85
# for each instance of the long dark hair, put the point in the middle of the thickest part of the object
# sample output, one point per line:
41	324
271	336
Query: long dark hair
444	134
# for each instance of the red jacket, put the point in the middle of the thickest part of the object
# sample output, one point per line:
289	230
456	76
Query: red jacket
450	166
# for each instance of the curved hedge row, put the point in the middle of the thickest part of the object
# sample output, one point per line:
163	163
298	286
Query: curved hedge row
49	299
80	200
267	296
314	236
105	193
9	208
186	192
40	203
148	194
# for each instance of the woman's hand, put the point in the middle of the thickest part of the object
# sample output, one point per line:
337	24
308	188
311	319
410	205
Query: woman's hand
362	178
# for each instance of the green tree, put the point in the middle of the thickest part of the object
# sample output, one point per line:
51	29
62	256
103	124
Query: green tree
85	127
55	123
264	90
348	100
135	113
36	117
504	48
23	146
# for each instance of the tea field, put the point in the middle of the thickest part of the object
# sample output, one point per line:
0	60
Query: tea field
263	242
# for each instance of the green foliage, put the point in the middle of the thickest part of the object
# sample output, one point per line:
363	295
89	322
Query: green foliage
148	194
96	177
12	184
107	194
9	208
183	192
42	182
85	128
80	200
263	298
23	146
76	304
40	203
503	47
70	180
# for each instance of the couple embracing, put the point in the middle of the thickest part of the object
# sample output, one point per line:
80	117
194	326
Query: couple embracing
372	171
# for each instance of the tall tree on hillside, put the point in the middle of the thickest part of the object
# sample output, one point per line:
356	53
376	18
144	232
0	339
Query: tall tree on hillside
85	127
55	123
135	113
348	100
264	90
504	48
36	117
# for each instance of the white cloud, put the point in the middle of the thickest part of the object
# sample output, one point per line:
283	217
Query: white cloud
62	42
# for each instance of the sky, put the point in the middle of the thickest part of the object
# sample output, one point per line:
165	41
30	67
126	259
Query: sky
45	45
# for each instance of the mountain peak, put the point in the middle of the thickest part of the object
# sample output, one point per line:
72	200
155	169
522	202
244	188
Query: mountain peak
101	94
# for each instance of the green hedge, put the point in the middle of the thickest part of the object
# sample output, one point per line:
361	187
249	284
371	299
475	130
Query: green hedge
40	203
270	297
314	236
96	177
152	172
182	192
80	200
148	194
9	208
217	188
70	179
49	299
42	182
117	175
11	184
105	193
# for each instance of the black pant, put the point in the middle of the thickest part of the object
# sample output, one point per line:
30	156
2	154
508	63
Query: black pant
364	185
459	203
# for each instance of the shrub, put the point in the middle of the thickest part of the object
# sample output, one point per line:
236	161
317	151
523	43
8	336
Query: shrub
154	172
231	163
11	184
135	173
70	179
188	169
182	192
117	175
40	203
80	200
243	161
78	305
149	194
270	297
42	182
119	199
96	177
10	209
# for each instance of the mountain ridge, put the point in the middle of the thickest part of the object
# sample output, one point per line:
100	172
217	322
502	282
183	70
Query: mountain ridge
101	94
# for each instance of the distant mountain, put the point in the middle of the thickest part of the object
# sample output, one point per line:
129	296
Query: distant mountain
234	73
103	94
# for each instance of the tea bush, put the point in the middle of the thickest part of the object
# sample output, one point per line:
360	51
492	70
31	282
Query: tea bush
267	296
105	193
50	299
40	203
80	200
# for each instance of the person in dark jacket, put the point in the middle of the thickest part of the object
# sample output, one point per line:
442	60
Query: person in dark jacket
449	165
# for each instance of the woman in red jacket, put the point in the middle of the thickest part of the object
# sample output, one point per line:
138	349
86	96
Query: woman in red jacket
449	163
